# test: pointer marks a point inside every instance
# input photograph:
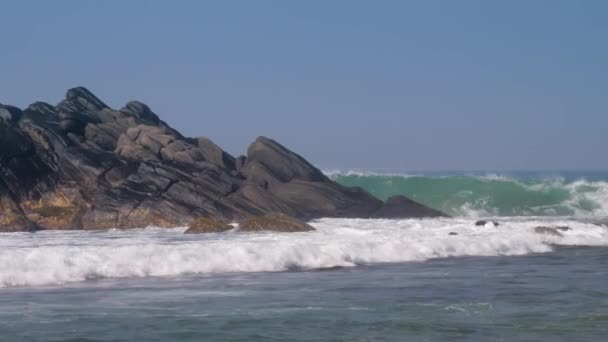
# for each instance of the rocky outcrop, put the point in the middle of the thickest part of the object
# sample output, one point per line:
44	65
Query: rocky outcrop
205	225
83	165
276	222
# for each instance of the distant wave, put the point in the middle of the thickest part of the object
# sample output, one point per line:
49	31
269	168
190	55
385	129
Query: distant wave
488	194
59	257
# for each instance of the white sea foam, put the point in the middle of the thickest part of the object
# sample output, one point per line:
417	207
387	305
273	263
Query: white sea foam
363	173
60	257
594	193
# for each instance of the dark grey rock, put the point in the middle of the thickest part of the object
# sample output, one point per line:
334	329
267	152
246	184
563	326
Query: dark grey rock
267	158
401	206
239	163
484	222
214	154
83	165
140	111
80	100
10	113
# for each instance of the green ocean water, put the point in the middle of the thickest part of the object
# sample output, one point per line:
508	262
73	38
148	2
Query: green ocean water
581	194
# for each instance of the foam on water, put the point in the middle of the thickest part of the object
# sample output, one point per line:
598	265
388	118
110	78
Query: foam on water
47	258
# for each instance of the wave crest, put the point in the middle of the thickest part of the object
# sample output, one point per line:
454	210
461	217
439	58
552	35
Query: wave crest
474	195
48	258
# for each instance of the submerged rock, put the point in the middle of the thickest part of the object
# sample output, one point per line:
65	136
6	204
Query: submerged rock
206	225
484	222
276	222
547	230
84	165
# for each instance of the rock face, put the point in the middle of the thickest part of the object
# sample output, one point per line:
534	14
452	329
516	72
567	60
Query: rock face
276	222
205	225
83	165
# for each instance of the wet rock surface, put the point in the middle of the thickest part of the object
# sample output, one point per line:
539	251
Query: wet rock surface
83	165
401	206
205	225
276	222
484	222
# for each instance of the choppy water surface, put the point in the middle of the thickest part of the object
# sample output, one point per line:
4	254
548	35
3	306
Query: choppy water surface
352	280
540	297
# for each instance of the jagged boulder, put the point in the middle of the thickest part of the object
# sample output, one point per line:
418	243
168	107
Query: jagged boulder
141	111
84	165
269	162
297	184
214	154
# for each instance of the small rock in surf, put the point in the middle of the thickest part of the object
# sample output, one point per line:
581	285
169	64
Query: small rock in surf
484	222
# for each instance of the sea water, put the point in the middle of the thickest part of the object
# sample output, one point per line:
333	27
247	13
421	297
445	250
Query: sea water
351	280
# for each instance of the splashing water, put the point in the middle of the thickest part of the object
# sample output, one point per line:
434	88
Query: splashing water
479	195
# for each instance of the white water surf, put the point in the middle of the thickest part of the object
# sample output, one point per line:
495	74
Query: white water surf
54	257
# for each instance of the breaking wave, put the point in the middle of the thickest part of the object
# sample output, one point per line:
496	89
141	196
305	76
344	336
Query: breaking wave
55	257
481	195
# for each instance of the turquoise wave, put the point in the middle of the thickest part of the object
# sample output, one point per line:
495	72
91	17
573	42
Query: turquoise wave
490	195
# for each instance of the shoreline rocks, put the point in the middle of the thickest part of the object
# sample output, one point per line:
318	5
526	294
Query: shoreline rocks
83	165
206	225
276	222
484	222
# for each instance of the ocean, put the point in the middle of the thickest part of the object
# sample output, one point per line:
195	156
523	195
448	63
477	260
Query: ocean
440	279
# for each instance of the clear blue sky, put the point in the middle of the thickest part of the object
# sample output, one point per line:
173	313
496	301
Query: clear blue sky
379	85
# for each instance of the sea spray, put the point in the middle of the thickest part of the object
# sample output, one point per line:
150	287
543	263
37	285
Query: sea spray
477	195
55	257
